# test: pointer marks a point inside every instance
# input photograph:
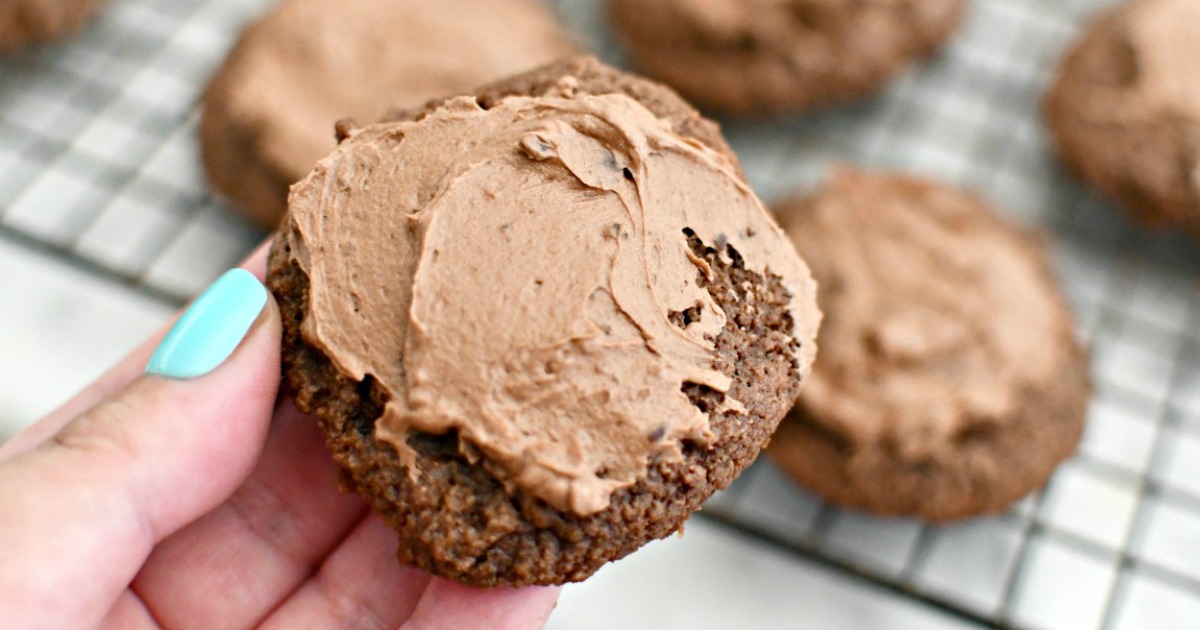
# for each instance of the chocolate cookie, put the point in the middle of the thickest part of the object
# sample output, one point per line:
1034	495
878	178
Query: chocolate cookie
28	22
269	111
766	56
1125	110
950	382
539	326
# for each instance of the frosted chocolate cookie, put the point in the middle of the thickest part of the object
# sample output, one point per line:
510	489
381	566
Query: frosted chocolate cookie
767	56
539	330
950	382
269	111
1124	110
28	22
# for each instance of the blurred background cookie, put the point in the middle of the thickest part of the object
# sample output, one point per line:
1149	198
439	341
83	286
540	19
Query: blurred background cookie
1124	110
950	382
766	56
28	22
529	392
269	111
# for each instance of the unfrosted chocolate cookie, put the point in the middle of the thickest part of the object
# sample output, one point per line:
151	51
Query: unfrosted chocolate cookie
28	22
767	56
950	382
1124	110
269	111
539	326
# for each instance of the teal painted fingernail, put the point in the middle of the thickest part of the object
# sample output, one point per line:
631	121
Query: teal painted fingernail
212	327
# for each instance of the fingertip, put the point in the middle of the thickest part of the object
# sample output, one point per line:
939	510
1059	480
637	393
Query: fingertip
211	328
450	604
256	262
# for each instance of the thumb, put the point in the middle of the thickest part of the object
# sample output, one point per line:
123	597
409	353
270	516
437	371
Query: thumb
80	514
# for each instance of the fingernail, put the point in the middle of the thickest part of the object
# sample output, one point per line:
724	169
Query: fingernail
211	328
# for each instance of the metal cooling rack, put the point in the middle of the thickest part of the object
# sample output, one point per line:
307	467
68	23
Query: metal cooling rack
99	166
98	156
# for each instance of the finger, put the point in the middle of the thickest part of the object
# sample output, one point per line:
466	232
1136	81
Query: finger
447	604
79	514
361	586
128	613
119	377
240	560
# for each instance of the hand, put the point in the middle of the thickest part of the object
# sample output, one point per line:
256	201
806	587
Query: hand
187	496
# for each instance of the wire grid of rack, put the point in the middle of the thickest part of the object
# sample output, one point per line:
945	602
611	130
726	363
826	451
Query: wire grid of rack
99	166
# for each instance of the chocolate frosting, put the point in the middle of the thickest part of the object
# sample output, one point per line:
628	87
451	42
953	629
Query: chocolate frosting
772	24
938	315
1166	36
810	35
510	274
358	58
1160	81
